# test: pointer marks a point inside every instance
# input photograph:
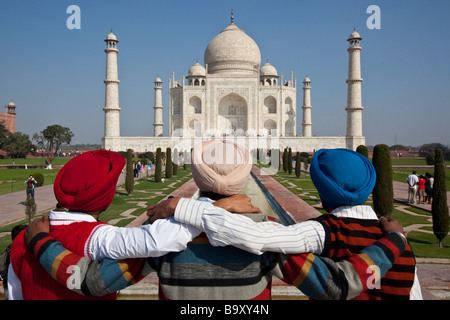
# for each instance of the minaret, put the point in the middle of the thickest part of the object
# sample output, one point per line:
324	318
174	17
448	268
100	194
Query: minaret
354	107
306	107
9	117
158	122
112	109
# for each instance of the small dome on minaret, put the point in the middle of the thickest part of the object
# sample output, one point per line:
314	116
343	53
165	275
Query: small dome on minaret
354	35
111	36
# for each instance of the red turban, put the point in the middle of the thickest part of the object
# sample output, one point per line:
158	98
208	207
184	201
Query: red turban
88	181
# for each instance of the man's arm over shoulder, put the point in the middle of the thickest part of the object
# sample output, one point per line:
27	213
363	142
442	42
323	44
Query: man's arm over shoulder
83	275
322	278
225	228
151	240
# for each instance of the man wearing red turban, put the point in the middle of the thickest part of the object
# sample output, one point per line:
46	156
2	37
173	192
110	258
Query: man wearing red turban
86	186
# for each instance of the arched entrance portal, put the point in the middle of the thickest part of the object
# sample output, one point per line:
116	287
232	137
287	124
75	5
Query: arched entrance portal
232	117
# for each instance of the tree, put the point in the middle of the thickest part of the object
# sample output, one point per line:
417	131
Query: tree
439	207
285	155
18	145
429	158
383	192
4	134
169	169
298	164
433	146
30	208
129	178
39	177
51	139
289	162
362	149
158	165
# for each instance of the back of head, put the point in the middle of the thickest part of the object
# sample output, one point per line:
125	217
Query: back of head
221	167
88	181
342	177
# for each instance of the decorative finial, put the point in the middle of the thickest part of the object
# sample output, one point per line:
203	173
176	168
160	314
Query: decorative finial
232	16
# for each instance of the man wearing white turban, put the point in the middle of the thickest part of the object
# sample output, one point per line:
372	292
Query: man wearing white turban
220	167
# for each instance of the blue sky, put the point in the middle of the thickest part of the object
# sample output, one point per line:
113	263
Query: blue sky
55	75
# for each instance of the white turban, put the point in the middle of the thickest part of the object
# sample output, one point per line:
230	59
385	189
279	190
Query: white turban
221	167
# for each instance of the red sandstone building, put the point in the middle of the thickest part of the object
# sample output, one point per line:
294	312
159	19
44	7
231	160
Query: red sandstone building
9	117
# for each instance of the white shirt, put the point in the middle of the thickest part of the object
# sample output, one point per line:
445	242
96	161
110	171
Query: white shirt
224	228
107	241
413	180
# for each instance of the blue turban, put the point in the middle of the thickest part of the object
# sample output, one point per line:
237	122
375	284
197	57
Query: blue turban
342	177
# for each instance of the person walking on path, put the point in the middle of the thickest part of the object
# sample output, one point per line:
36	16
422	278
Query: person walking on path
412	180
429	187
31	183
421	190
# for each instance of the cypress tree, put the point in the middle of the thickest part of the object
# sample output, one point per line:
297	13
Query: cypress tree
169	169
285	154
298	164
30	208
383	192
362	149
129	178
289	163
439	207
158	165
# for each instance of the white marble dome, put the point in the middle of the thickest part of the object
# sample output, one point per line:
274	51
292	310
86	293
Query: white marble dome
111	36
232	51
355	35
197	70
268	70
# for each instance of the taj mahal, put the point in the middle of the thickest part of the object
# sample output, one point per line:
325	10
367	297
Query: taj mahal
233	96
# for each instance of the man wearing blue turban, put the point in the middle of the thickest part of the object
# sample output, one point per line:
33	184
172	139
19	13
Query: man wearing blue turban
342	177
344	180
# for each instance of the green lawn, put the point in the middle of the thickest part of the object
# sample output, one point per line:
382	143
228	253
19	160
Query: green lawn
12	180
412	162
33	161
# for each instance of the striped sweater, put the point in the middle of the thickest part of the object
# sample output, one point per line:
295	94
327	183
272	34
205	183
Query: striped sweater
346	236
206	272
36	284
